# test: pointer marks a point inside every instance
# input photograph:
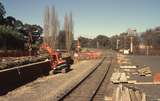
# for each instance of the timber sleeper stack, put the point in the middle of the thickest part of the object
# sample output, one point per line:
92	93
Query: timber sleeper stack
118	77
123	93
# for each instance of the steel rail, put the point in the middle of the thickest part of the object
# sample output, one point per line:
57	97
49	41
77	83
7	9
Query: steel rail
100	84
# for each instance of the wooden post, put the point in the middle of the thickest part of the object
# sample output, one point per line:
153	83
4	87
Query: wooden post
147	50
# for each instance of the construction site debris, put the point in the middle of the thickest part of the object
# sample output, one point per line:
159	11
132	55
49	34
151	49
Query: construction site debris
157	77
128	67
148	83
145	71
132	81
118	77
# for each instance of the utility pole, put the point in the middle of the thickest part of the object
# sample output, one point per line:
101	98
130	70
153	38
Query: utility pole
124	42
117	46
131	44
97	43
78	46
131	33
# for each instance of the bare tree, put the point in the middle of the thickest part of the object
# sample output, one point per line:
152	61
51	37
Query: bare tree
51	27
54	27
68	28
71	29
46	25
57	29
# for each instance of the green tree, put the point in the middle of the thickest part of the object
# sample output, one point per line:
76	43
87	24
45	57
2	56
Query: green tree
113	41
102	41
10	21
84	42
2	13
32	35
152	37
18	25
10	39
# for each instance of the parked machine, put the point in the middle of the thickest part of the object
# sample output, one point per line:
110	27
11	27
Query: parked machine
57	62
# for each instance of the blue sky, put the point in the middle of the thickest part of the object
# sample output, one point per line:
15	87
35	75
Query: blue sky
91	17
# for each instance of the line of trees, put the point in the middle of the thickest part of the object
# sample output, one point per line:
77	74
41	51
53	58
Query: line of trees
101	41
55	37
149	38
15	35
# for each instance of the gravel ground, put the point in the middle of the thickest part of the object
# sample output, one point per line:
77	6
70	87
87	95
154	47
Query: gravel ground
152	61
151	90
50	87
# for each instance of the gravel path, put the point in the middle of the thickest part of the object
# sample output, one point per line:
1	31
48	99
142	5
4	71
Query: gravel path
51	87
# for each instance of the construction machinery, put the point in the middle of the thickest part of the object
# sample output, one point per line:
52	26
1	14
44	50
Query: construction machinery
57	62
87	54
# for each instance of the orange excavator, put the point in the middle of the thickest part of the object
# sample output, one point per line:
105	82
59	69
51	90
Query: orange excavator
57	63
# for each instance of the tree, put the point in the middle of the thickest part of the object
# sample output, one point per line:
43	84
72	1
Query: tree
68	28
10	39
14	34
2	12
36	35
10	21
151	37
113	41
46	25
102	41
51	27
61	40
18	25
54	27
84	42
32	35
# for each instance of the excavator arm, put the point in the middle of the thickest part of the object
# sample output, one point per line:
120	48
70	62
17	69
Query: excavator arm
56	61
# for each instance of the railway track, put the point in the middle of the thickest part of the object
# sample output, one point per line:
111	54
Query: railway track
87	89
